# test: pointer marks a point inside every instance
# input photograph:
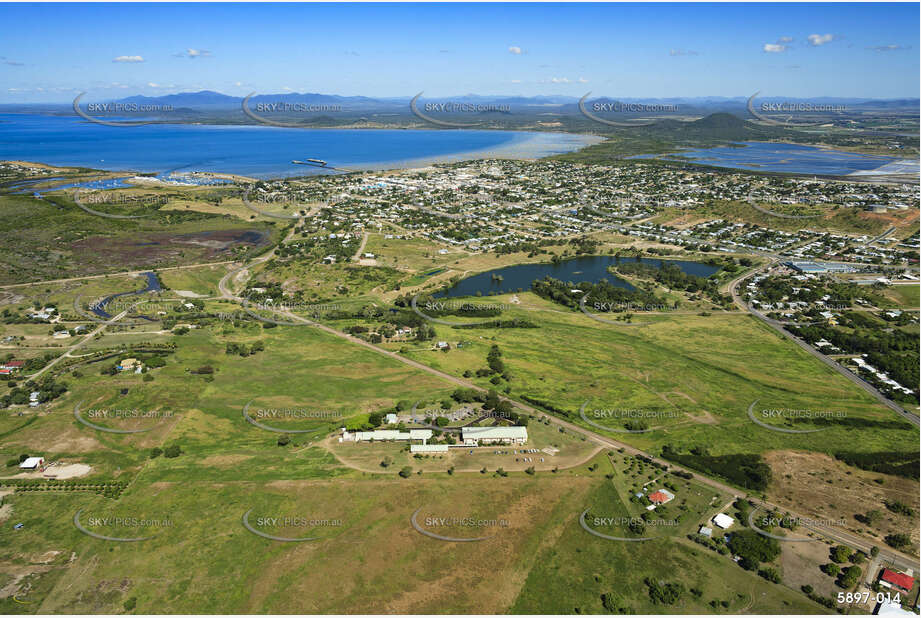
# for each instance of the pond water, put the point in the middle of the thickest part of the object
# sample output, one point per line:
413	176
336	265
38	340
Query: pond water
593	268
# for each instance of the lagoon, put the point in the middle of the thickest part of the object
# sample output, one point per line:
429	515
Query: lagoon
777	157
591	268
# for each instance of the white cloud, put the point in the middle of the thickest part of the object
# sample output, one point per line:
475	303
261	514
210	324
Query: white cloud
153	85
885	48
559	80
774	48
682	52
820	39
582	80
193	53
515	50
785	39
128	59
516	81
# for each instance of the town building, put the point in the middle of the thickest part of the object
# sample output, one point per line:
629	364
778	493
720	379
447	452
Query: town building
723	521
32	463
473	436
893	579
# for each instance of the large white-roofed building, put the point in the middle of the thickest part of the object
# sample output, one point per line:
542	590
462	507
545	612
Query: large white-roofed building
474	436
428	448
387	435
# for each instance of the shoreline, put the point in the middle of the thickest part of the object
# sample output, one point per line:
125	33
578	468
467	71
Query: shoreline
530	146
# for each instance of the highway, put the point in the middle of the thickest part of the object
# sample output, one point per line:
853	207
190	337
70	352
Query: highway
837	367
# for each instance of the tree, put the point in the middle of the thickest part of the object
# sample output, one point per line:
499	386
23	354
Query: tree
898	541
284	440
172	451
376	419
406	472
387	461
770	574
841	554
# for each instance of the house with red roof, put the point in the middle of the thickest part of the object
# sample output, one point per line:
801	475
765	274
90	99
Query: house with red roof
899	580
661	496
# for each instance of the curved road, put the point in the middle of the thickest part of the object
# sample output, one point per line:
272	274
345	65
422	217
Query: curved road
888	555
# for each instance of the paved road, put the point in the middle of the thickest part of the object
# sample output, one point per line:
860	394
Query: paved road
837	367
899	559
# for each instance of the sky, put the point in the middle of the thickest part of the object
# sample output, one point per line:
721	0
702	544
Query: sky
52	52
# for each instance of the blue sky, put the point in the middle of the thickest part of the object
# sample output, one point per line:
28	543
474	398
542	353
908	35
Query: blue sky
50	52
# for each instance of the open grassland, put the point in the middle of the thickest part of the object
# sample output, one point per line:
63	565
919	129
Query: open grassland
52	238
695	375
904	296
198	557
825	488
582	573
321	380
187	565
832	218
202	280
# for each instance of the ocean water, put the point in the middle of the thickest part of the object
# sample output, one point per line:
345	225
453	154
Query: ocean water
774	157
258	151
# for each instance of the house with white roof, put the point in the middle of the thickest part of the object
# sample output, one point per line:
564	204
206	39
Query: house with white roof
723	521
31	463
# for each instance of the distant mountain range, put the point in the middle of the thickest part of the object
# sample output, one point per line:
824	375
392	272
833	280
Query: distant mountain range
210	98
